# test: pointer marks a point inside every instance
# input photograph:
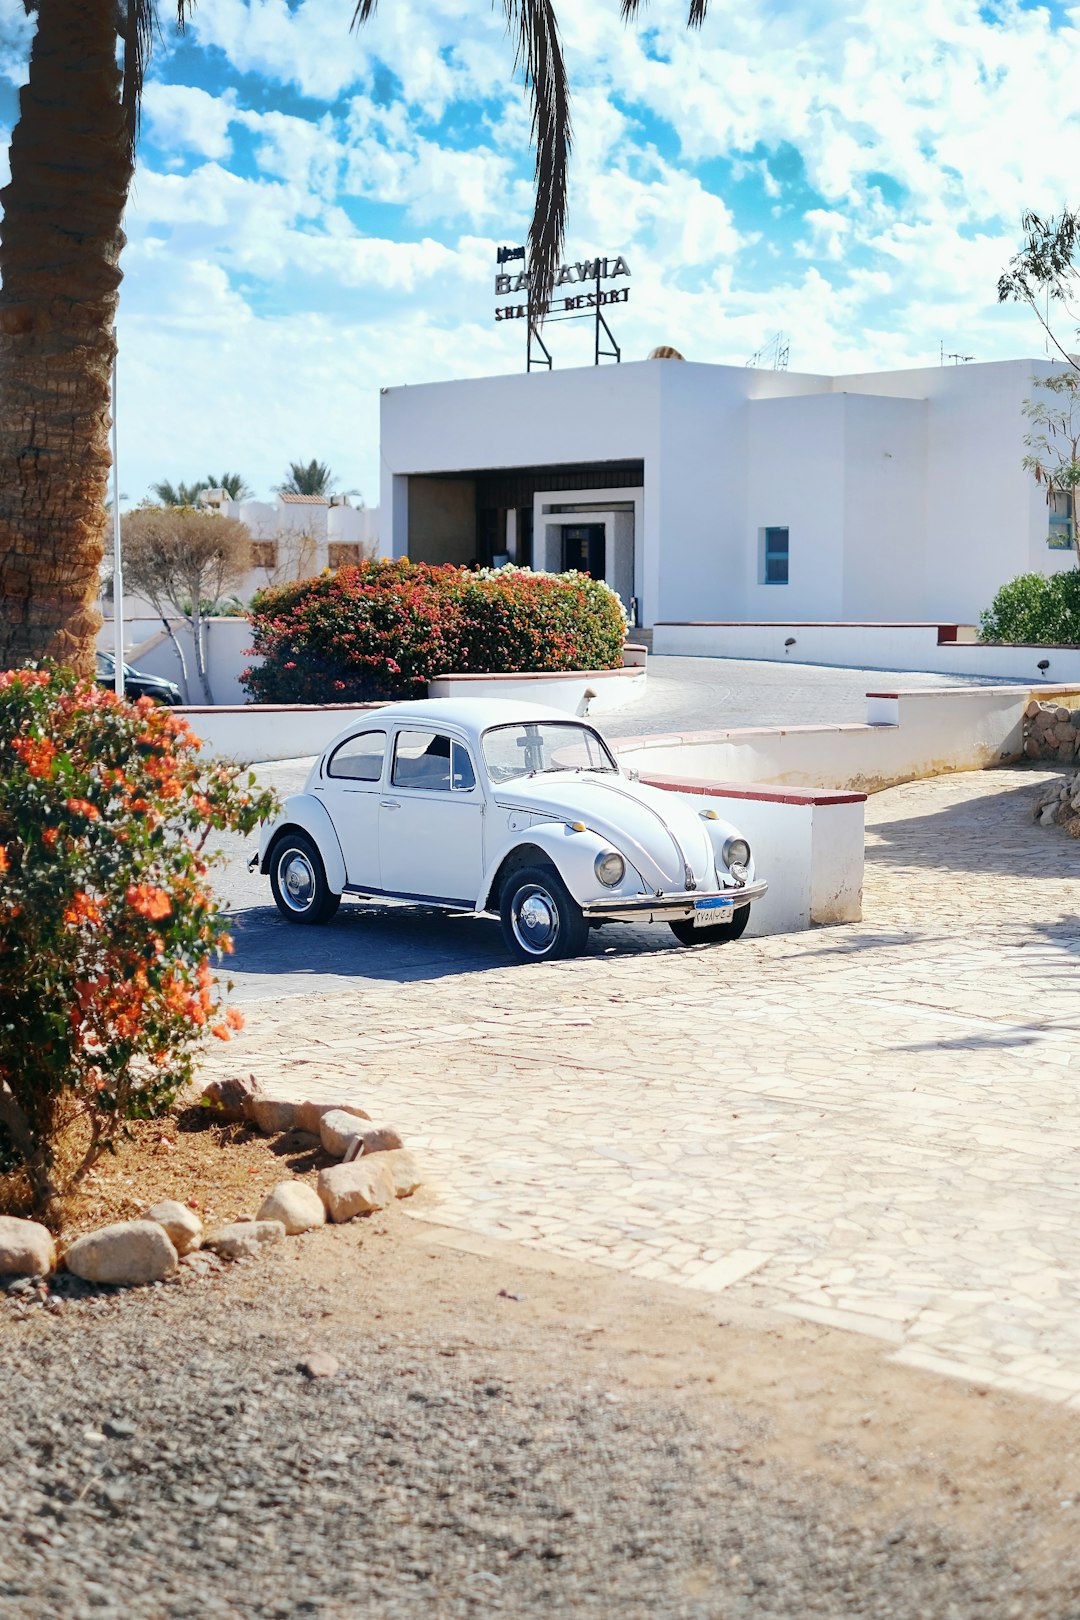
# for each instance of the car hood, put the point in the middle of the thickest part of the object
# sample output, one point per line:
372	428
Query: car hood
658	833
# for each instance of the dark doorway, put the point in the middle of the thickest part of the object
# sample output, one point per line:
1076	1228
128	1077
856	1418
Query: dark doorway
583	548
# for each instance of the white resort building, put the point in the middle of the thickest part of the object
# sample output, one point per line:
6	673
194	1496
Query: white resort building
705	492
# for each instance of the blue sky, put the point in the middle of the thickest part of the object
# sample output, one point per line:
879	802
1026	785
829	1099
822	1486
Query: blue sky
316	213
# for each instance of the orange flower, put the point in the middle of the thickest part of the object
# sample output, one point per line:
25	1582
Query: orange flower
49	837
221	1032
37	756
82	909
148	901
234	1018
5	865
83	807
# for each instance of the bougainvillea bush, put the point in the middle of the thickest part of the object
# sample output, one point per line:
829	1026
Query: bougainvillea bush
384	629
108	930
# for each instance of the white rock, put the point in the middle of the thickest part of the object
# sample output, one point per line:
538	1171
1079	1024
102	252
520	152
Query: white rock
373	1139
296	1205
26	1248
244	1240
309	1115
402	1167
129	1253
230	1099
339	1130
182	1224
354	1189
272	1116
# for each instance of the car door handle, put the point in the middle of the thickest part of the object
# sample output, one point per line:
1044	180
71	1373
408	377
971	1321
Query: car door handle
390	804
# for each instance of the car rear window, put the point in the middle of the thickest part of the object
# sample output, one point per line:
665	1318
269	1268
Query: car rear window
360	758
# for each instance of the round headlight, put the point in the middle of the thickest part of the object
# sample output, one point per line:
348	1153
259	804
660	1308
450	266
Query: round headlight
736	852
609	867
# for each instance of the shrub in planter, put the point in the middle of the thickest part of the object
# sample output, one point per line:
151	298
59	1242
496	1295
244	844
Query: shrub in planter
1034	608
384	629
107	926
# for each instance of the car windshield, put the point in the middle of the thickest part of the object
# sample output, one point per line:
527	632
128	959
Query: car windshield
531	747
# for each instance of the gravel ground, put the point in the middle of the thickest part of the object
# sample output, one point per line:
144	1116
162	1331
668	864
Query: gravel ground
163	1456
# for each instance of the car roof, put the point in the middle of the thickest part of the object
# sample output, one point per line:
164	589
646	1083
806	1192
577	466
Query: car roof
469	715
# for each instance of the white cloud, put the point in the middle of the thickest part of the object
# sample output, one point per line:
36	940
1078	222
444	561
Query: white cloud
183	116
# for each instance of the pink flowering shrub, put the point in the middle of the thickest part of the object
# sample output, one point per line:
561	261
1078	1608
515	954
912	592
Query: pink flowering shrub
107	925
384	629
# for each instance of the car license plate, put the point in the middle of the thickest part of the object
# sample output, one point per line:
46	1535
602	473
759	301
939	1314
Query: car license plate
717	909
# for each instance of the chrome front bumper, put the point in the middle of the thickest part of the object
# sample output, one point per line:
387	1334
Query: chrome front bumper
669	907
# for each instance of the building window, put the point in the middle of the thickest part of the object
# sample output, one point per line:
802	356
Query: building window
1060	536
343	556
774	553
263	554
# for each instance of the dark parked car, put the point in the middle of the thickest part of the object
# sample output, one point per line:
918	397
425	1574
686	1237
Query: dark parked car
136	683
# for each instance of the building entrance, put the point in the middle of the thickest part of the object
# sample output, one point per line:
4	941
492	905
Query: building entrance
584	548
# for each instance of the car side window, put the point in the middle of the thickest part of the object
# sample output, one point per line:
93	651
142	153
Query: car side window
359	759
422	760
462	775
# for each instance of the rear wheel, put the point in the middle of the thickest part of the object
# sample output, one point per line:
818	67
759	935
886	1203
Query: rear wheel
541	921
298	880
712	933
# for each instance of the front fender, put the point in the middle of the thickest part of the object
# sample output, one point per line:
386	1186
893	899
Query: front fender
719	831
571	854
305	811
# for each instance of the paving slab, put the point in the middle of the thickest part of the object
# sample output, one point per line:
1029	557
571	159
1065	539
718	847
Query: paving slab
873	1126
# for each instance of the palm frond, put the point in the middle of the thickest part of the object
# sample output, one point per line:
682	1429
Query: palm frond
538	52
137	25
698	8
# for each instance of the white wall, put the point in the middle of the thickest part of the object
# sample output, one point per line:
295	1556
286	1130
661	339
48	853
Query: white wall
264	732
596	692
795	480
884	565
909	736
226	655
890	647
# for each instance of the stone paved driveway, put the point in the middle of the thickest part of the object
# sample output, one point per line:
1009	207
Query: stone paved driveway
874	1127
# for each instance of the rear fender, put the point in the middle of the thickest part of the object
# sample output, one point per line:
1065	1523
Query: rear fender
308	813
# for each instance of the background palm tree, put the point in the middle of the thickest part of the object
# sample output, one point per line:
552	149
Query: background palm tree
188	494
313	479
72	161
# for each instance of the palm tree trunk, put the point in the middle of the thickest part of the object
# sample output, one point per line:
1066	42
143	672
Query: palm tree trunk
59	266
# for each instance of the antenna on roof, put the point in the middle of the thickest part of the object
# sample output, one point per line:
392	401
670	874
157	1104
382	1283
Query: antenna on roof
774	355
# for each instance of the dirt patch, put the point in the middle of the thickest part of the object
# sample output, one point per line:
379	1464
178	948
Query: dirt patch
220	1171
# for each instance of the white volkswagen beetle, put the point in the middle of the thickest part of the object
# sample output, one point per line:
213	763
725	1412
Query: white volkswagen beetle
494	806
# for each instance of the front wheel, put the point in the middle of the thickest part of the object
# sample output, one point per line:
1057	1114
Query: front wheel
712	933
541	921
298	880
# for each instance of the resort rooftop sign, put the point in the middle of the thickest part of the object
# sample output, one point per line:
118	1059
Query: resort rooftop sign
588	271
561	306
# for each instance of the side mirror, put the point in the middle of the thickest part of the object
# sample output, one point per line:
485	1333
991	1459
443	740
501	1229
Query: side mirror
632	774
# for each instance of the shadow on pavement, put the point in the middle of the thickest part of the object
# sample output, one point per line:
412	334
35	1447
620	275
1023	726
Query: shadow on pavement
995	834
362	942
401	944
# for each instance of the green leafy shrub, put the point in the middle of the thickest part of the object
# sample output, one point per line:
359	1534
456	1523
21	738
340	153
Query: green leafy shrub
1036	609
384	629
107	926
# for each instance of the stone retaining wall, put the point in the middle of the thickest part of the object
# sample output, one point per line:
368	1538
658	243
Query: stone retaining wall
1052	730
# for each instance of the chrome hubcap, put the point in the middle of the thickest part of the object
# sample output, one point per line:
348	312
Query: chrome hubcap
534	918
297	880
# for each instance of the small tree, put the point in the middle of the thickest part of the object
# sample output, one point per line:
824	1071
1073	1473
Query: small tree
187	561
107	925
1053	457
1045	268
